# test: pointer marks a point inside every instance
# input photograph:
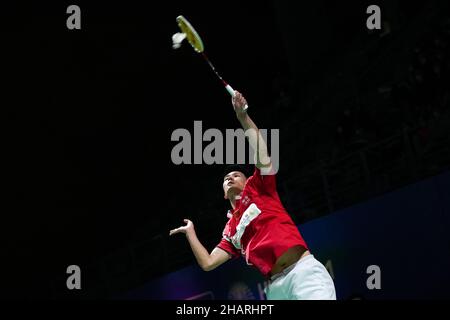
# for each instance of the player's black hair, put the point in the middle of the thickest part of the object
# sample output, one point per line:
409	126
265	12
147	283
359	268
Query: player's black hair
247	170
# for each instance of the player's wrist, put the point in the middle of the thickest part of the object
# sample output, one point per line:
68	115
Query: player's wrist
242	114
190	233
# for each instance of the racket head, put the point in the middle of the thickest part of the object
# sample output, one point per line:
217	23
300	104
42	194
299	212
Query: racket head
191	35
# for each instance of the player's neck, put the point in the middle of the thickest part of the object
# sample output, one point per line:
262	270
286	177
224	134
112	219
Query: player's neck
233	199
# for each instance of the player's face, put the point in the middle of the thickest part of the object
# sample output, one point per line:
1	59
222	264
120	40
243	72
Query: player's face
233	182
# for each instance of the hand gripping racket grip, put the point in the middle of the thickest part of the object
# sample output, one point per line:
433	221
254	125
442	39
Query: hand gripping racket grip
232	93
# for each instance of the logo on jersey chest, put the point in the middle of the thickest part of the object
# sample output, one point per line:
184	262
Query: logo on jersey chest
245	201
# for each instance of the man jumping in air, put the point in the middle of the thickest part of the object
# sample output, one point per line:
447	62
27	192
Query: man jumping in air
260	229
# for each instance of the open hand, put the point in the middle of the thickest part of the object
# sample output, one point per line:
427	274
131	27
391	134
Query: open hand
189	227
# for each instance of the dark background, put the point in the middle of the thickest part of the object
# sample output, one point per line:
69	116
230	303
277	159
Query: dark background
88	116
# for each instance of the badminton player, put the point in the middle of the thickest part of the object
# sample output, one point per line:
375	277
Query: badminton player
260	230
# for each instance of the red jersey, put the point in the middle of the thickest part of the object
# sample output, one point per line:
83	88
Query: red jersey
260	228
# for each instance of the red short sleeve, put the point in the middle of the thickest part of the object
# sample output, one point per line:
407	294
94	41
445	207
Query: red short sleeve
264	182
227	246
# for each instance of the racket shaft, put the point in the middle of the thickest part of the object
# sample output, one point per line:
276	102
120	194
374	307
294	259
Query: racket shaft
227	86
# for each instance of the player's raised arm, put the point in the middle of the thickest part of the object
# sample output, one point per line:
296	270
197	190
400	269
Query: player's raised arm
255	138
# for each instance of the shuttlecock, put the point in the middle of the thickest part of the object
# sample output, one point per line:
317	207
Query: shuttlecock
177	39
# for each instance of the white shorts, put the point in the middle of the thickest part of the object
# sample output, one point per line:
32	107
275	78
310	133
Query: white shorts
307	279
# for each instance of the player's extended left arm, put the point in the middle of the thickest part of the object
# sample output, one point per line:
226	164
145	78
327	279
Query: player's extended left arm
253	134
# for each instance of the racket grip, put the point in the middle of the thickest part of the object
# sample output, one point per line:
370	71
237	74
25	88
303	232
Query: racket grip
230	90
232	93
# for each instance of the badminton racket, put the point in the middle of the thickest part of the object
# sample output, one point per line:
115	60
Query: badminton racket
189	33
